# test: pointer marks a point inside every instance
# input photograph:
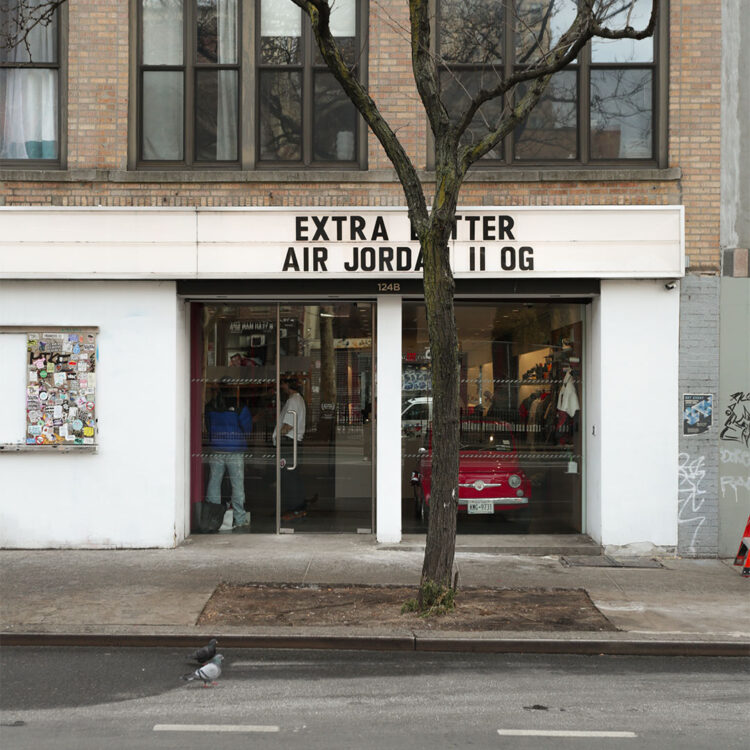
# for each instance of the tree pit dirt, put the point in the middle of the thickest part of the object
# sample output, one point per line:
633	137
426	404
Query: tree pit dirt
362	606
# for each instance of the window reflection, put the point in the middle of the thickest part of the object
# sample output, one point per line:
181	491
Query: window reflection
621	114
622	13
471	31
458	86
551	129
281	116
521	391
252	360
539	27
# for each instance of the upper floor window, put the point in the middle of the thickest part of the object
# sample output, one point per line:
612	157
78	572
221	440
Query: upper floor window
240	83
606	106
29	82
303	115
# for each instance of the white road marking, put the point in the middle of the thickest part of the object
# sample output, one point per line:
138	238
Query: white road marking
275	664
560	733
215	728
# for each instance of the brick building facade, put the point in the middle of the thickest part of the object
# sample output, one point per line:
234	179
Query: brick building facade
99	167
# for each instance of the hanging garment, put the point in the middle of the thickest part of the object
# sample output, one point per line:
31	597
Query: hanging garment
568	399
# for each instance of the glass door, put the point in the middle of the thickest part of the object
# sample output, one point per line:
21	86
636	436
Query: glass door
282	401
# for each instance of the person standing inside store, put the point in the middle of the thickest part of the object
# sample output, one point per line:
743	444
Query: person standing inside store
293	414
228	427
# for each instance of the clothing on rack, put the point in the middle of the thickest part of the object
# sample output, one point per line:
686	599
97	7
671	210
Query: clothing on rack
568	399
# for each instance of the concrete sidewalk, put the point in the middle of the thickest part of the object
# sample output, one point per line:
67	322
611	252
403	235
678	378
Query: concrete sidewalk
137	596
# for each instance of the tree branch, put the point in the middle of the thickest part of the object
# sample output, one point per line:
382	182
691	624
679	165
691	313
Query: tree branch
584	27
425	67
319	13
21	18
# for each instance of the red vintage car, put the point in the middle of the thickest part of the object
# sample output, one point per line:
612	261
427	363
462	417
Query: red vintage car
490	479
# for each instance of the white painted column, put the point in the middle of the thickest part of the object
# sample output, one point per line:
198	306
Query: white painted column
633	414
388	419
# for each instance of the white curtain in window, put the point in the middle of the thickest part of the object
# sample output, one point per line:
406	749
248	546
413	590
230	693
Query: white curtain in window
29	129
226	117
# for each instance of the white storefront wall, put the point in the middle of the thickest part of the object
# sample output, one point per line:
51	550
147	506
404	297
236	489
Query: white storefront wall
132	492
632	413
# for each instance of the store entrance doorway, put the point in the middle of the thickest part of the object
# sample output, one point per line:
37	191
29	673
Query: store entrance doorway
281	399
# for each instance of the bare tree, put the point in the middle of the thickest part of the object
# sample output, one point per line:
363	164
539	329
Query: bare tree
462	135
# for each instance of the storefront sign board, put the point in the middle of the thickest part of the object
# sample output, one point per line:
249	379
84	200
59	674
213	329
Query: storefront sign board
487	242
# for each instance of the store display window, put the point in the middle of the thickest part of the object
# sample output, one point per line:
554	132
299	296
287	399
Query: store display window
521	391
281	403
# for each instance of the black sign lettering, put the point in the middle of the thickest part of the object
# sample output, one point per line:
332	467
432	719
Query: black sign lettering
290	261
526	258
506	224
339	222
356	227
508	258
472	258
300	232
320	256
379	231
320	233
403	258
353	264
368	259
471	220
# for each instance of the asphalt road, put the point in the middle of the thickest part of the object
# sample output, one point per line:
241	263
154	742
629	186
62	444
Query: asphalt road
86	699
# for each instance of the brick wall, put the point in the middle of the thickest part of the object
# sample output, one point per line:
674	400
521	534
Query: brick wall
98	56
98	133
695	123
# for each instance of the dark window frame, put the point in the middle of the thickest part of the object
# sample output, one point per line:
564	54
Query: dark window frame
583	67
61	66
190	69
309	68
249	74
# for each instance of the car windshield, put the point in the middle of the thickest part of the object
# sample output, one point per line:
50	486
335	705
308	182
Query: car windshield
485	436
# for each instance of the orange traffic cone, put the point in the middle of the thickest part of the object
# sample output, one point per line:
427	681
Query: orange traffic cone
743	553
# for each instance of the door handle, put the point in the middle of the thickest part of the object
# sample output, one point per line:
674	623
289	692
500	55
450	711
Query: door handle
294	441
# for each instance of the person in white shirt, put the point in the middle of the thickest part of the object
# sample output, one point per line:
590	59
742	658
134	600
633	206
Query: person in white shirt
294	410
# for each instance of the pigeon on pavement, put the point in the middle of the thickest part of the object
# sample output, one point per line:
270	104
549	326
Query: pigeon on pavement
209	672
206	653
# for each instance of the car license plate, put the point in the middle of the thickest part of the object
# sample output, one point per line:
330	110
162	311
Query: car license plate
480	506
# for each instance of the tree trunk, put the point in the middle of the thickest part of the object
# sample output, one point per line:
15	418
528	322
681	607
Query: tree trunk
438	289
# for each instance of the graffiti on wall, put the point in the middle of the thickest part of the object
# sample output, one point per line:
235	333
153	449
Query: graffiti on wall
737	423
691	494
733	485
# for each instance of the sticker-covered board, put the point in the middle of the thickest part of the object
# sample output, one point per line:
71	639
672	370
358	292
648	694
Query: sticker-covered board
61	388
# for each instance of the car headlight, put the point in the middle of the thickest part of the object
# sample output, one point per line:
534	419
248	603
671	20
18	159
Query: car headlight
514	481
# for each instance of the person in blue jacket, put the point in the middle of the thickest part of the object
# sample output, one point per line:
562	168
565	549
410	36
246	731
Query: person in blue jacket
228	429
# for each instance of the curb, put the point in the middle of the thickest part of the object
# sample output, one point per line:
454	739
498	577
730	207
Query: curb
587	647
